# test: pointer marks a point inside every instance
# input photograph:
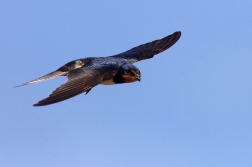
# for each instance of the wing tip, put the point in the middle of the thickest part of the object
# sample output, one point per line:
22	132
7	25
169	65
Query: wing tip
37	105
177	34
44	102
41	103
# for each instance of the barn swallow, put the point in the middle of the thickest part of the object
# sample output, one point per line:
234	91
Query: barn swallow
86	73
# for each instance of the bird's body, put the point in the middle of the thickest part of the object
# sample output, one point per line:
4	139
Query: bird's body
84	74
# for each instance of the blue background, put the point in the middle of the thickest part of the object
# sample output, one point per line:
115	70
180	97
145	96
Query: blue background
192	108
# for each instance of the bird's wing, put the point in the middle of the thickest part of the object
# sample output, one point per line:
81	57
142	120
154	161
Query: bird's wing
150	49
62	71
79	80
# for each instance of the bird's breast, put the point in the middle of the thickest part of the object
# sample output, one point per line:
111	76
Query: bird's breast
108	82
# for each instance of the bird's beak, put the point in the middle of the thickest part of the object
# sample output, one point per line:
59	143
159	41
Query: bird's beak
138	78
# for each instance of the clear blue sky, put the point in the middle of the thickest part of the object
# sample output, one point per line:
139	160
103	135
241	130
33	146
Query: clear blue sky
193	107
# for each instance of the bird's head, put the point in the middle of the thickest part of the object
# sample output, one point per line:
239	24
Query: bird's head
130	73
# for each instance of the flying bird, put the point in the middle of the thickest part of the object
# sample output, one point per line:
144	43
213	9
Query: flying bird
86	73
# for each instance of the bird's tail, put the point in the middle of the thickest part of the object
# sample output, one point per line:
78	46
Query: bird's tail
44	78
62	71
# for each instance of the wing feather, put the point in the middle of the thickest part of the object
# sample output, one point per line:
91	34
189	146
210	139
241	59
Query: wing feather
150	49
79	81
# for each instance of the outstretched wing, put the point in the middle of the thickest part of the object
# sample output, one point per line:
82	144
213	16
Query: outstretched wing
150	49
62	71
79	81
